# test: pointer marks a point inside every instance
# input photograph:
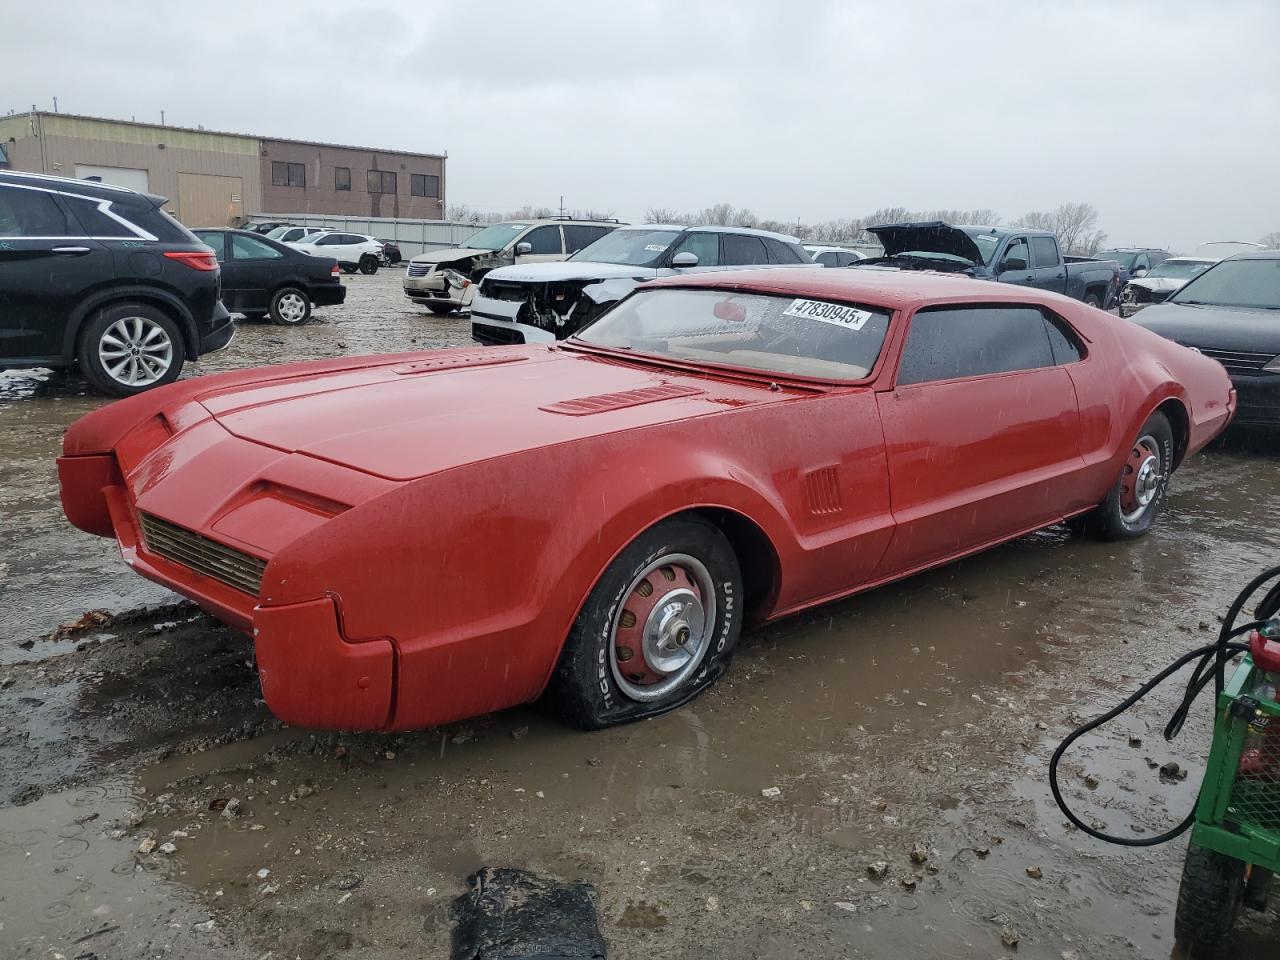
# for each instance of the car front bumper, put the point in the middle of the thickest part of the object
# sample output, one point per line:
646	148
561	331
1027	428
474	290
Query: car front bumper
1257	399
494	322
440	289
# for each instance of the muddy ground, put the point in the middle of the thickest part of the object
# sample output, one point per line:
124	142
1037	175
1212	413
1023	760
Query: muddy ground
914	720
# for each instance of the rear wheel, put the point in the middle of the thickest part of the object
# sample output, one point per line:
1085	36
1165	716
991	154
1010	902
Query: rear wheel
1093	299
368	264
1131	506
1208	903
348	268
129	348
658	628
290	307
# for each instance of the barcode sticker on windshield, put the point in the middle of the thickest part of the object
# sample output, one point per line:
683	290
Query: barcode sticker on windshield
851	318
655	247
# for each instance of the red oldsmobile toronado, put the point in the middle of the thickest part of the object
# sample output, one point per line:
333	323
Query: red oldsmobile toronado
416	538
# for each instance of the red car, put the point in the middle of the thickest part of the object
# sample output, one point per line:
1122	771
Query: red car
417	538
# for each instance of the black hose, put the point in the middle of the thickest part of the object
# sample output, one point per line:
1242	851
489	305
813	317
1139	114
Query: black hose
1214	658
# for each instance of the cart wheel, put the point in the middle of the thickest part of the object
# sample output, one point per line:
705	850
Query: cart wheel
1208	902
1258	890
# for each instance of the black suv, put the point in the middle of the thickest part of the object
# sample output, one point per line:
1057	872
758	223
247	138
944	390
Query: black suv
102	278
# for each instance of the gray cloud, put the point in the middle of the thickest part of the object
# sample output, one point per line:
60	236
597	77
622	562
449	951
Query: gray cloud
1166	116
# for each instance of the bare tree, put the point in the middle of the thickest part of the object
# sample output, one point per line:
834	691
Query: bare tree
1074	223
591	213
1271	241
662	215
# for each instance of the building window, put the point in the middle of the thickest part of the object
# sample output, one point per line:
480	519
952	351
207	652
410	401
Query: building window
424	185
382	181
342	178
288	174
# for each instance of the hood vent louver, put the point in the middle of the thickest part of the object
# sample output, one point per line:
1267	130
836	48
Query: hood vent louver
582	406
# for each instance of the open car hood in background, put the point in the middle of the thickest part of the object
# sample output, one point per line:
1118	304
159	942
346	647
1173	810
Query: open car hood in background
932	236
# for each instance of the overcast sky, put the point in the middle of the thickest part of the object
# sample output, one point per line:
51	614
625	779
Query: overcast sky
1165	116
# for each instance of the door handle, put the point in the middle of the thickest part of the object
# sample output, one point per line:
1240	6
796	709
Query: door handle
72	251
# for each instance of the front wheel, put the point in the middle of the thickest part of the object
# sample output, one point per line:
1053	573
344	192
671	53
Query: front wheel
1132	504
129	348
1208	903
659	627
348	268
1093	299
290	307
368	264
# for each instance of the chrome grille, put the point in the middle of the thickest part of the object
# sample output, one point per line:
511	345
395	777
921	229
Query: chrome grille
1239	361
419	269
188	548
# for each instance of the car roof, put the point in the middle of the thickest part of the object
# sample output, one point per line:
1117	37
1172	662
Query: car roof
1255	255
711	228
891	289
1133	249
85	188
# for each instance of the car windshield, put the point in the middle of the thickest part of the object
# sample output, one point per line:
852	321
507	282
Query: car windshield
311	237
1124	257
985	242
1235	283
495	237
278	232
636	248
1179	269
790	336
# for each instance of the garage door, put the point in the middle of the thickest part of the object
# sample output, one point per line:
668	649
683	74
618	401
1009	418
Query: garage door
207	200
119	176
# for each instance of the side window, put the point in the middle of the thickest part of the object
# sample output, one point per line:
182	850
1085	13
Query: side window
953	342
95	223
577	236
247	248
1017	250
215	239
30	213
1142	263
780	252
544	240
1062	341
741	249
341	178
329	240
704	246
1044	252
829	258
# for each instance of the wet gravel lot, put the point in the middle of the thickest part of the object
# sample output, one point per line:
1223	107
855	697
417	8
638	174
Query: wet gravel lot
151	806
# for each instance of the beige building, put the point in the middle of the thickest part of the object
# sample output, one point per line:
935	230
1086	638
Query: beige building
220	179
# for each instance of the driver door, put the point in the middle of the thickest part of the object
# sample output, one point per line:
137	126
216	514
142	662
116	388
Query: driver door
1015	263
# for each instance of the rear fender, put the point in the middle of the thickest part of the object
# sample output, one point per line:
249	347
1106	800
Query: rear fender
130	293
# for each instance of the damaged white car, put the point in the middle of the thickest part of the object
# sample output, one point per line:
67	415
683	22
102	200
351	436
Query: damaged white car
445	280
1162	280
550	301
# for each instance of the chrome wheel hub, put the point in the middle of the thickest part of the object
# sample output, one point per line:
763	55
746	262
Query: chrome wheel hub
292	308
1141	479
662	629
135	351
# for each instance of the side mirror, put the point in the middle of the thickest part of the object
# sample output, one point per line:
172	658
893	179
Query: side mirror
1013	263
1140	272
684	259
523	248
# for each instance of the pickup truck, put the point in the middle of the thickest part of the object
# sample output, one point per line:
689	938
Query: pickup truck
1003	254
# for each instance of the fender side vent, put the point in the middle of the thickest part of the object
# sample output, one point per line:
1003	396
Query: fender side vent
822	488
583	406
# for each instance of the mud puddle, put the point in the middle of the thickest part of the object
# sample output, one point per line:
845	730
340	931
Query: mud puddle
916	719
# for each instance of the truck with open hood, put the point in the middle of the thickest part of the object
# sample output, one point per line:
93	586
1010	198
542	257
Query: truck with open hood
1004	254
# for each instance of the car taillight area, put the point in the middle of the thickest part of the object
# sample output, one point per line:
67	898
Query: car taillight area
203	260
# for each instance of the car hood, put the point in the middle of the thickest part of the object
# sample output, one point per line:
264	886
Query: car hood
1158	284
570	270
932	236
1219	328
450	254
428	412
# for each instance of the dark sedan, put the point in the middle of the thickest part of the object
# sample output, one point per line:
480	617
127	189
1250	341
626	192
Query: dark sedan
262	277
1231	312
